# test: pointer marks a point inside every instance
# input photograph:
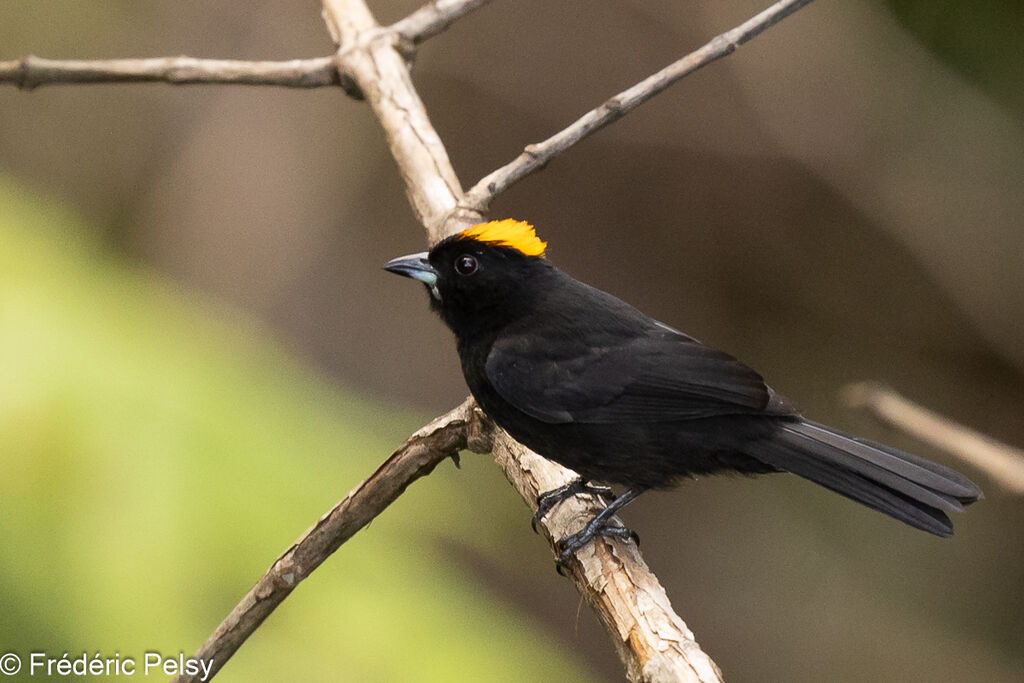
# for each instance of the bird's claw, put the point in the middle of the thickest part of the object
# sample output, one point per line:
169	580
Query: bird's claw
549	499
568	546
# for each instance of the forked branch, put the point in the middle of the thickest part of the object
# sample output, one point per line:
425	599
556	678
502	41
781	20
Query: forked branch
371	60
31	72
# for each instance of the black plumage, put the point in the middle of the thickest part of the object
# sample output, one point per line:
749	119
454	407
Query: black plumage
590	382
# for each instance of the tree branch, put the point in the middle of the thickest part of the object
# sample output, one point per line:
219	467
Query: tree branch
433	18
31	72
652	641
464	427
1003	463
367	54
537	155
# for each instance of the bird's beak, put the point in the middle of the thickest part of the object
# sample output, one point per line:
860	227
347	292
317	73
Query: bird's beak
417	267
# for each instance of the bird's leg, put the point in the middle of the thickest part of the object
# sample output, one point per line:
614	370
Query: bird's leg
550	499
598	526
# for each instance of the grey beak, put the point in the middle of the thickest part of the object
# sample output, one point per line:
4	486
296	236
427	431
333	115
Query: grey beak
415	266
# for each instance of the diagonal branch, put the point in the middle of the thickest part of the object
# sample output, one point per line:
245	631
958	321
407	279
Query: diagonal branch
537	155
1000	461
653	642
463	427
433	18
31	71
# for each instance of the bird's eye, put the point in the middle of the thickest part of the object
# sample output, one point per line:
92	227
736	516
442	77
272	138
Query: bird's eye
466	265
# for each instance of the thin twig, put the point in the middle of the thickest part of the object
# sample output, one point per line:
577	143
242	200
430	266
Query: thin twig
433	18
31	71
463	427
535	156
1003	463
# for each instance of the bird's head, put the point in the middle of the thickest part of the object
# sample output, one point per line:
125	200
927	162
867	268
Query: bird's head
481	277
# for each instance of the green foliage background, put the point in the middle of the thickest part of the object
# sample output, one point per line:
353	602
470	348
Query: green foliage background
158	453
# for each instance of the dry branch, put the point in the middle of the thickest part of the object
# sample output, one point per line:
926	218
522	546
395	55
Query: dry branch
653	643
31	71
463	427
433	18
368	56
535	156
1003	463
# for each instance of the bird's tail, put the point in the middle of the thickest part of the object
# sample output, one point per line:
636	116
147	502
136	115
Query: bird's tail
904	486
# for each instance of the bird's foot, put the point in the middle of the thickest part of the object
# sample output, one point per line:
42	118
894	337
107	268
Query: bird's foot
568	546
600	525
550	499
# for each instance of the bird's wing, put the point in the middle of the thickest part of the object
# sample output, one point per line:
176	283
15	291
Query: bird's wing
657	377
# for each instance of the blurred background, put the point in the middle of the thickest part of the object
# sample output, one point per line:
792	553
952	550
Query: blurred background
199	353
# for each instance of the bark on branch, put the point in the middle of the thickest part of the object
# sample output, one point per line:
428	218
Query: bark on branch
653	642
433	18
31	72
368	56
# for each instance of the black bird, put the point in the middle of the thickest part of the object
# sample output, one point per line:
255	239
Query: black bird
590	382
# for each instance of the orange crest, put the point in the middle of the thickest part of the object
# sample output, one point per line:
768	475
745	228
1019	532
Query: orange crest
518	235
